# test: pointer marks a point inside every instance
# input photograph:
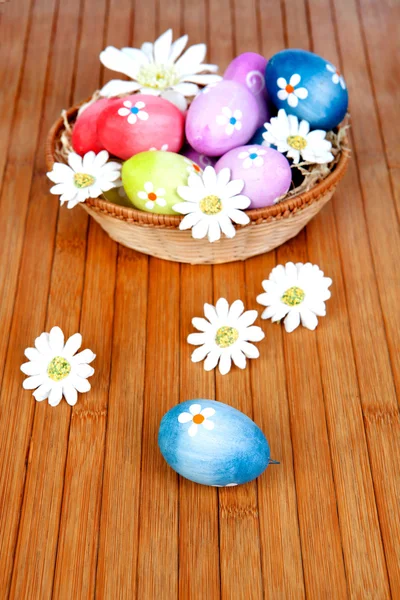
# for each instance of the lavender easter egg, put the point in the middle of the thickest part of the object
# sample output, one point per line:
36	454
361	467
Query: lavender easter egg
138	123
150	180
84	134
199	159
212	443
308	86
221	117
249	70
266	173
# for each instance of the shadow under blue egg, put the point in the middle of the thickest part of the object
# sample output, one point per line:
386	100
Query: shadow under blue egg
235	451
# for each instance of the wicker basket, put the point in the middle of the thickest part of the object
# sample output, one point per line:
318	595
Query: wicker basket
160	236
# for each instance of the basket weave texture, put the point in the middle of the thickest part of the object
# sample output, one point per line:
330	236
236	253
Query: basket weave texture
160	236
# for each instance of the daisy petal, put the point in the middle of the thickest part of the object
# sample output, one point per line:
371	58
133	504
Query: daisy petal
195	409
282	94
200	353
222	309
249	350
308	319
162	47
70	393
184	417
32	354
210	177
233	188
190	220
196	339
56	340
210	313
226	226
238	216
295	79
117	87
55	395
193	56
84	371
82	385
186	88
301	93
292	100
42	392
119	61
292	321
223	177
239	358
281	82
214	231
212	360
253	334
75	161
201	324
177	48
200	230
32	368
235	310
209	425
225	363
32	382
86	356
247	318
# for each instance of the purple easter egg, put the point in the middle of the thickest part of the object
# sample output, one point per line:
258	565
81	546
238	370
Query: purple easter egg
249	70
201	159
266	173
222	117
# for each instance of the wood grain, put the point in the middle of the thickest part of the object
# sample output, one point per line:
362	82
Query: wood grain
88	506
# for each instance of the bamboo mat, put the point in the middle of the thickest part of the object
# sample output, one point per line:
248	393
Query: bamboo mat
88	508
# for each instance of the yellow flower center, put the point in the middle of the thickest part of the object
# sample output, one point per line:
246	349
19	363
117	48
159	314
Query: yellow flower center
158	77
226	336
198	419
297	142
83	180
58	368
293	296
211	205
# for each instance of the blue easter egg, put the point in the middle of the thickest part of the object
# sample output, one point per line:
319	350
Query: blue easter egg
212	443
308	86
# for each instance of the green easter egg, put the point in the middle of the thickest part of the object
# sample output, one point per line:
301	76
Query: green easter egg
151	178
118	196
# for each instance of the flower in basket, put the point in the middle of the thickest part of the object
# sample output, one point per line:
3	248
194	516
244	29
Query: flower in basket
159	69
295	292
296	140
55	370
211	203
225	336
84	178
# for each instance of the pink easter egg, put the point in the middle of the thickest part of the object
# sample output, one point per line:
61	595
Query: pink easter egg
138	123
266	173
249	70
84	133
223	116
201	159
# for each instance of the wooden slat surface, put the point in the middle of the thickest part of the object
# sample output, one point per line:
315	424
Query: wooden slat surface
88	507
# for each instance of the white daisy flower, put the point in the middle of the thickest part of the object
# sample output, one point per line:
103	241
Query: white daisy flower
84	178
133	112
289	91
285	132
225	336
197	417
157	69
55	370
152	196
212	202
253	157
337	77
232	119
295	293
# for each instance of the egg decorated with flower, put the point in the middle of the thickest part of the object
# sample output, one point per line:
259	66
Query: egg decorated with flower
249	70
138	123
212	443
224	115
151	179
307	86
84	134
266	173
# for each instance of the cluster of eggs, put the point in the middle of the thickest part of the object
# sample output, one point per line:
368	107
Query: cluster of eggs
222	127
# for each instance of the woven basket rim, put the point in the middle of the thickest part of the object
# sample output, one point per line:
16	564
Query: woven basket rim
257	215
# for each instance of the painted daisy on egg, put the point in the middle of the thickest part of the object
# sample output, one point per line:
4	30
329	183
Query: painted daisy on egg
296	140
160	69
196	416
337	77
295	293
288	90
225	336
133	111
84	178
192	166
231	119
55	370
252	157
211	203
152	196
